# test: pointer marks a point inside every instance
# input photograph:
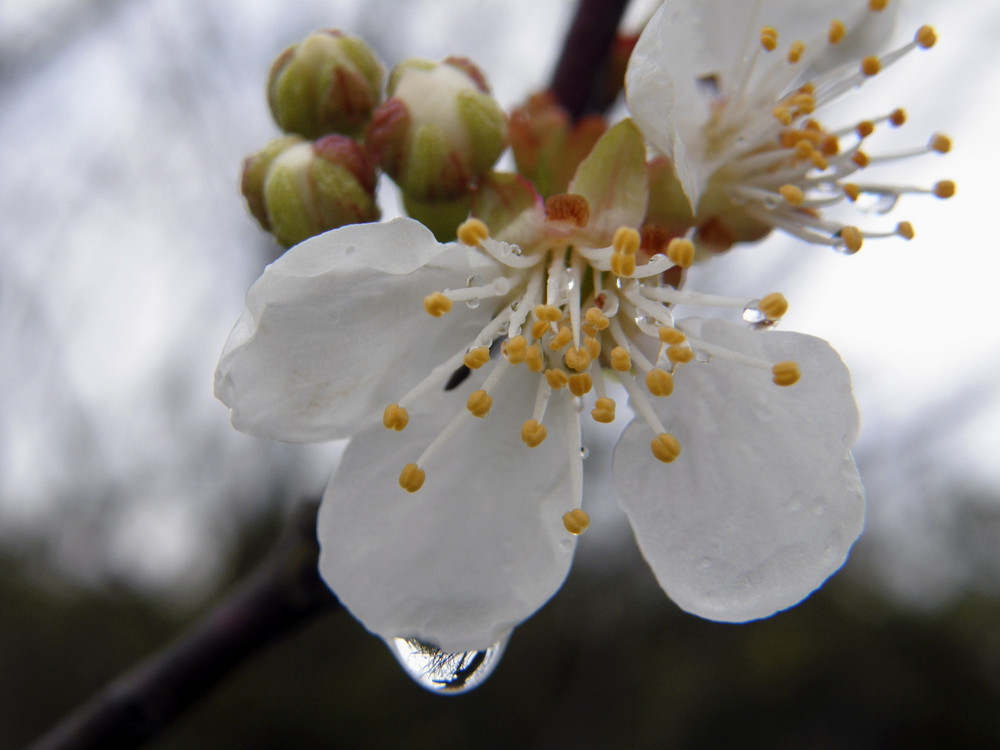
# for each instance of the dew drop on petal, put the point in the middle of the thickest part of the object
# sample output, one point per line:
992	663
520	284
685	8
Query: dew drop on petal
702	356
442	672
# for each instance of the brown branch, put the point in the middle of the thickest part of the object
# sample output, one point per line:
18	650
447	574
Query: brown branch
282	594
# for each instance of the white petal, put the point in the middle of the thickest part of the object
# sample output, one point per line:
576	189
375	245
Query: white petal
478	548
764	502
335	330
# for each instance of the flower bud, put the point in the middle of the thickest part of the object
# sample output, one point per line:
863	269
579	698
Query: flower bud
329	83
439	130
310	188
255	170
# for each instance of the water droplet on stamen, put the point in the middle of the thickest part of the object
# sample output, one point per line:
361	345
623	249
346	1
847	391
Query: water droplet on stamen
516	250
584	451
442	672
657	257
756	319
473	303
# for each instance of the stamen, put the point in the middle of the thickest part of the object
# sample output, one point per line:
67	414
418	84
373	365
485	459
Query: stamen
940	143
905	230
769	38
659	382
533	358
561	339
576	521
437	304
786	373
580	384
897	117
944	189
792	194
515	349
596	318
604	410
395	417
795	52
577	358
870	65
533	433
476	358
877	5
479	403
672	336
665	447
626	243
681	252
548	313
925	37
593	347
472	232
837	32
620	359
773	306
680	354
411	478
556	378
852	239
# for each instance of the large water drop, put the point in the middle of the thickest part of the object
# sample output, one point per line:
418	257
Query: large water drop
442	672
754	317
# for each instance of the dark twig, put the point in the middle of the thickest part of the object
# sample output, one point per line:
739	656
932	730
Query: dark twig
283	593
585	56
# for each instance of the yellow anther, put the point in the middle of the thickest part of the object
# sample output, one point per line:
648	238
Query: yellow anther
665	447
769	38
561	339
437	304
620	359
515	349
539	328
782	114
792	194
851	190
548	313
604	410
681	252
837	32
556	379
803	149
588	330
681	354
577	358
818	161
580	384
852	238
944	189
596	318
395	417
829	145
472	232
411	478
804	103
533	358
865	128
476	358
659	382
626	240
941	143
774	305
533	433
479	403
870	65
576	521
795	52
877	5
861	159
672	336
897	117
593	347
786	373
905	230
925	37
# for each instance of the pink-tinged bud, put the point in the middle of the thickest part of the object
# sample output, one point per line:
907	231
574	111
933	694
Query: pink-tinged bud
310	188
255	170
328	83
439	131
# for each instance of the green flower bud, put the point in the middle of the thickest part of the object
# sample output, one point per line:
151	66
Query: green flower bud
329	83
439	130
309	188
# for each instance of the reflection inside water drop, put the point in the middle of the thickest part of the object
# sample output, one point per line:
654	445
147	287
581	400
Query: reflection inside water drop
447	673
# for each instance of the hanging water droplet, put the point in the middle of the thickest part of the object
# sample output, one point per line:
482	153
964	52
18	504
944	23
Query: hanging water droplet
584	451
473	303
755	318
442	672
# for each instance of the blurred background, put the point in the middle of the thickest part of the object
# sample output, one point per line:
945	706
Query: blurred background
128	504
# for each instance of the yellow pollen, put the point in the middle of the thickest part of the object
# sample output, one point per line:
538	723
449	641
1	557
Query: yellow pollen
626	240
795	52
568	207
593	347
596	318
533	433
539	328
829	145
852	238
665	447
580	384
561	339
659	382
548	313
515	349
773	305
476	358
671	336
804	103
533	358
818	161
897	117
792	194
479	403
604	410
944	189
681	354
941	143
877	5
860	158
622	264
556	379
865	128
837	31
588	330
472	231
620	359
576	521
786	373
769	38
411	478
851	190
681	252
803	149
905	230
395	417
437	304
925	37
870	65
577	358
782	114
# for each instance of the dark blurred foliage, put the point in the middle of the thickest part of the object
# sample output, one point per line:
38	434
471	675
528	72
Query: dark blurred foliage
608	663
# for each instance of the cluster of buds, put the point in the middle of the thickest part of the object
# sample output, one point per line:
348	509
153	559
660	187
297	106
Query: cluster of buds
437	133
